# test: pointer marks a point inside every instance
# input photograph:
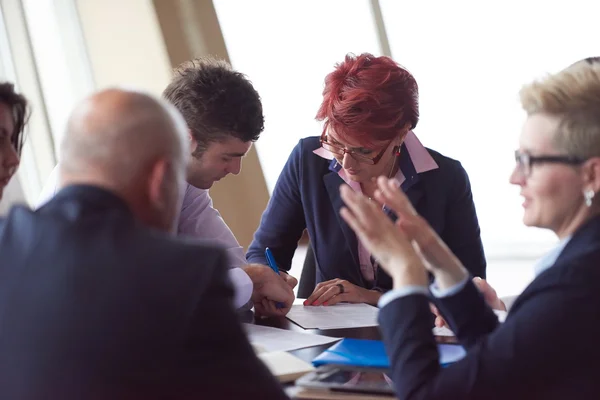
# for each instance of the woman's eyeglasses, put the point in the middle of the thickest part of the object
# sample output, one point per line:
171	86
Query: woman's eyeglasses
525	161
340	151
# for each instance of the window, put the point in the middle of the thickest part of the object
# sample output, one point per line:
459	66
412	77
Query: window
13	193
287	49
17	66
60	56
470	59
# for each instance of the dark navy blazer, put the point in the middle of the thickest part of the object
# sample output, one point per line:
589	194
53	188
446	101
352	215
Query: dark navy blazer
546	349
94	305
307	197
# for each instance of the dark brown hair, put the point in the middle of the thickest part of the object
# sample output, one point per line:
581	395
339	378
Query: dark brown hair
19	107
215	101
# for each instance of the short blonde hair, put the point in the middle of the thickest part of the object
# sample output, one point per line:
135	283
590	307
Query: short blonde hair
573	95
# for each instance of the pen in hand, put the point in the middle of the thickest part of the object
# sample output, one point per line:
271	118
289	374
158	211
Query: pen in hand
274	267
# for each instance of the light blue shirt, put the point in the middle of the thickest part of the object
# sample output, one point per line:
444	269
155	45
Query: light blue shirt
549	259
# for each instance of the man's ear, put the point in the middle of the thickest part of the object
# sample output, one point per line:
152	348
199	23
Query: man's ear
156	183
193	142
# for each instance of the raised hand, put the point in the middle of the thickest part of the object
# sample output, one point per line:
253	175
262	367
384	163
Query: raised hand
388	244
437	257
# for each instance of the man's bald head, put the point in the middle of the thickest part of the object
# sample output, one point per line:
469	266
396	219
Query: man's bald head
116	128
130	143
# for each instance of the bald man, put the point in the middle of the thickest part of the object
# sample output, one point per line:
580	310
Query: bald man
97	299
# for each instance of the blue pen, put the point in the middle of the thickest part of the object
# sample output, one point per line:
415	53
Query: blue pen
274	267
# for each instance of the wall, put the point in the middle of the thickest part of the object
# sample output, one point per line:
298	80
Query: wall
124	44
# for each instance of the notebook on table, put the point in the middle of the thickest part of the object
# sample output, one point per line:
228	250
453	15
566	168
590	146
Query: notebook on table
285	366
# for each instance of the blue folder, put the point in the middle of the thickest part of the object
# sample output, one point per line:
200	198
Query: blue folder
371	353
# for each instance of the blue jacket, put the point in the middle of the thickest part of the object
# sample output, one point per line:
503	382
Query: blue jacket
307	196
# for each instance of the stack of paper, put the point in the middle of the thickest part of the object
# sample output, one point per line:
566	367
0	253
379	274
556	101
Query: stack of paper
284	366
268	339
338	316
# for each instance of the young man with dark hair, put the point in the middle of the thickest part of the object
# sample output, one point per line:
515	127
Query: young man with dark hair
224	116
223	113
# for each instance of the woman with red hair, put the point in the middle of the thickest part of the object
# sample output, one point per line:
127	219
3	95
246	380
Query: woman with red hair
369	109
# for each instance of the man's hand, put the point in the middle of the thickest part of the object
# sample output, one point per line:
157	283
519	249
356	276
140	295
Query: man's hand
268	308
269	289
290	280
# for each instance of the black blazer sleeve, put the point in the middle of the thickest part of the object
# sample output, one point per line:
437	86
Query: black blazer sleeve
542	341
217	348
283	221
469	326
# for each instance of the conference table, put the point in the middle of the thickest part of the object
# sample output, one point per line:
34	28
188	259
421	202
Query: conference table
309	353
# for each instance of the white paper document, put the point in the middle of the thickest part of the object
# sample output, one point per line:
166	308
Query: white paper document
275	339
339	316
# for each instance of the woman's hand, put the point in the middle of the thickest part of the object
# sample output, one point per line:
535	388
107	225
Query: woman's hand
390	245
334	291
437	257
489	294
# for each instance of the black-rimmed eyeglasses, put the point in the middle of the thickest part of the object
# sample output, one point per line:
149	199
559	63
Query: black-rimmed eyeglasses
525	161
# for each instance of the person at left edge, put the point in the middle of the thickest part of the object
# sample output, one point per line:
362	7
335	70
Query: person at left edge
14	113
370	108
224	116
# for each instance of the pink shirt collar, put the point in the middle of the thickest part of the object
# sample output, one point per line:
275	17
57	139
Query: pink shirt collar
419	156
422	162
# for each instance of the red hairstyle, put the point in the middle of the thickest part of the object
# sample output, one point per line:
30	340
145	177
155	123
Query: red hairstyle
368	99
